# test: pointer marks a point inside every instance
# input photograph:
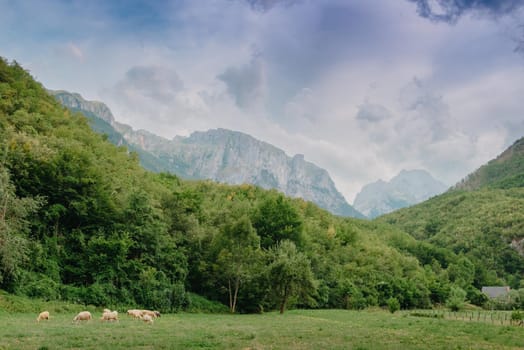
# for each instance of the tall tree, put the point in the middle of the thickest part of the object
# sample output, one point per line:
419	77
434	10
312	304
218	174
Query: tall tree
275	220
14	226
290	274
238	247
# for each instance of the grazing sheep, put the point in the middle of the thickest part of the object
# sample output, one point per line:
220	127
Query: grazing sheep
135	313
44	315
82	316
153	314
109	316
147	318
106	310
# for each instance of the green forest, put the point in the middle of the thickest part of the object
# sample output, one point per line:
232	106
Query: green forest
82	221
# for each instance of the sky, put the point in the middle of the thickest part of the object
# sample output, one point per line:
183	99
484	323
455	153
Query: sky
361	88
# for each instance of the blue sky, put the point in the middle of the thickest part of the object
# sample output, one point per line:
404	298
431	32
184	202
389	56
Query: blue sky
362	88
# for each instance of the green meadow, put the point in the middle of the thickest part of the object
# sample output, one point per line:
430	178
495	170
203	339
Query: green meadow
298	329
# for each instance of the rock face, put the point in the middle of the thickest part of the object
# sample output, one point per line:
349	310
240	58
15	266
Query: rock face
405	189
222	155
76	102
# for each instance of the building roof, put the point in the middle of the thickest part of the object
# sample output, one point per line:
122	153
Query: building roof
495	291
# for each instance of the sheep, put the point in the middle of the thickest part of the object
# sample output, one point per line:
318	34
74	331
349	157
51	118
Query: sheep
82	316
149	313
134	313
147	318
157	313
106	310
44	315
109	316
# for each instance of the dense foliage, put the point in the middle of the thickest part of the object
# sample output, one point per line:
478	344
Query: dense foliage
81	221
485	228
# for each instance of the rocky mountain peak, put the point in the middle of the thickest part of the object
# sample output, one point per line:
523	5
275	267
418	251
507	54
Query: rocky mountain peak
407	188
225	156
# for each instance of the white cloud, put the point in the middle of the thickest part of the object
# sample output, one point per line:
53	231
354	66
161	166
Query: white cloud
246	84
75	51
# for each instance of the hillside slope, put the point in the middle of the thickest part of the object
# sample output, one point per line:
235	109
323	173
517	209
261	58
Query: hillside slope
485	223
505	171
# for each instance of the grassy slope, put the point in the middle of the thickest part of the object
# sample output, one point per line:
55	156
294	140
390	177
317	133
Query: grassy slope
463	215
505	171
481	224
320	329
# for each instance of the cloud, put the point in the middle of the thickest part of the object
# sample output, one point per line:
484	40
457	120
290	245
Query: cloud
301	110
75	51
425	109
155	98
372	113
451	10
155	82
519	40
246	84
266	5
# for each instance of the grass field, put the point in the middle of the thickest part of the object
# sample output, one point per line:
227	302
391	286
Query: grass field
300	329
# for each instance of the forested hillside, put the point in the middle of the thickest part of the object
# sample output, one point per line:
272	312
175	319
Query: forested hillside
485	226
505	171
80	220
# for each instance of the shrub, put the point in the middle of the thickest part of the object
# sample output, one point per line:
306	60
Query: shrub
39	286
517	316
198	303
457	299
393	305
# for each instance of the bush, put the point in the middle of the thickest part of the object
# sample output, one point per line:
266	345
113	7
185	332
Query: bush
457	299
393	305
180	298
38	286
97	294
198	303
476	297
517	316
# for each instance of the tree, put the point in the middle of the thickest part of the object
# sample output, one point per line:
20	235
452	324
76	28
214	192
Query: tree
276	220
290	274
14	225
237	246
457	299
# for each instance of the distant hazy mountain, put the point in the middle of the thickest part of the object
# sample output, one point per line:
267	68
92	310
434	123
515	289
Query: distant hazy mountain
221	155
405	189
505	171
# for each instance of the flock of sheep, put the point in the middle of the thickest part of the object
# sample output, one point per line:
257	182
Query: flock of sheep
147	316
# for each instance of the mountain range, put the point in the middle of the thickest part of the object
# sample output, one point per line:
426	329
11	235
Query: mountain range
409	187
221	155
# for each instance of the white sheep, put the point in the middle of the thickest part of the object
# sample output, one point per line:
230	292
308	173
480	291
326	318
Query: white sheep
147	318
44	315
82	316
109	316
135	313
106	310
153	314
